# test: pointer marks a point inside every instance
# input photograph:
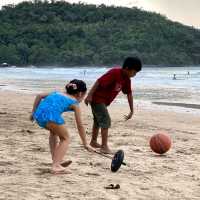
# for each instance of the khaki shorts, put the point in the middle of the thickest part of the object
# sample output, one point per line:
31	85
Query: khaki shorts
101	115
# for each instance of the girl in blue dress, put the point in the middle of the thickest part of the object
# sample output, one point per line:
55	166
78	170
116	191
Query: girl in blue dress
47	112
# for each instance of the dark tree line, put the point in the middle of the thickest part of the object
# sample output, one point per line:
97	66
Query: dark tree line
60	33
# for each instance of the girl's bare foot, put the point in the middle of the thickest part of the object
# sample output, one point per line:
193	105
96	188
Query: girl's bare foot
95	145
58	169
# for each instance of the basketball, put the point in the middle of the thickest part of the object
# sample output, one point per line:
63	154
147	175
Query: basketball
160	143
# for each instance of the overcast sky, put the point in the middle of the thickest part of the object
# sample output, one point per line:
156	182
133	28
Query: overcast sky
184	11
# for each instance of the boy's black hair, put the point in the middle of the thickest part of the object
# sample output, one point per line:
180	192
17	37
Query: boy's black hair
75	86
132	63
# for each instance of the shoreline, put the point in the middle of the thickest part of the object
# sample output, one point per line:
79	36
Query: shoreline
121	101
183	105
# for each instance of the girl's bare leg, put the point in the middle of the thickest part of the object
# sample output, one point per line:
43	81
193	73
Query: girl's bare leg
53	143
60	150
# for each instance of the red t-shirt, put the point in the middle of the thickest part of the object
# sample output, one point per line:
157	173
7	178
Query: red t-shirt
110	84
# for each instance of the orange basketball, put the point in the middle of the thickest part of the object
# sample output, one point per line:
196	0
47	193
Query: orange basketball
160	143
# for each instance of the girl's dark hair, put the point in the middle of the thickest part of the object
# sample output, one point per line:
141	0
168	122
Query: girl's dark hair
75	86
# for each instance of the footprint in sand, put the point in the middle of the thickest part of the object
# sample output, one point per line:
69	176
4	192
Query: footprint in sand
5	163
46	164
27	131
9	171
95	164
92	174
36	149
82	163
185	152
42	171
3	113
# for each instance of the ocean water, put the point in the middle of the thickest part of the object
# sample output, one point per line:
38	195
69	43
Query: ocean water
151	84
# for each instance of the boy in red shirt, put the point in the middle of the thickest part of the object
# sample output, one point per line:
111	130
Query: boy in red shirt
104	92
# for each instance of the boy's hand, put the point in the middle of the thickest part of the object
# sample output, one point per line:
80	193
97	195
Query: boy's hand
88	99
129	116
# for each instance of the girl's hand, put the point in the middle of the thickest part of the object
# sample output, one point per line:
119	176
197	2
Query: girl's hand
31	118
88	148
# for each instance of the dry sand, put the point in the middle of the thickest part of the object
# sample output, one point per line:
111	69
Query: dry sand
25	159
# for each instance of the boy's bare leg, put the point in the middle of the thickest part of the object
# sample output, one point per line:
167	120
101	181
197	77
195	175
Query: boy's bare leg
95	132
104	146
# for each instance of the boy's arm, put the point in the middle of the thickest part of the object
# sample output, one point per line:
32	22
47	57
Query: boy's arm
38	98
80	126
130	102
104	82
88	99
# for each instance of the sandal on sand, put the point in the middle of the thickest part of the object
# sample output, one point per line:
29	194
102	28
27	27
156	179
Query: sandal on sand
66	163
112	186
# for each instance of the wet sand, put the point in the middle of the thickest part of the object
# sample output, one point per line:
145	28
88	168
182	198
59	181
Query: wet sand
183	105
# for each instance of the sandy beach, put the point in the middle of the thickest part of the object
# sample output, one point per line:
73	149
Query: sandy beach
25	159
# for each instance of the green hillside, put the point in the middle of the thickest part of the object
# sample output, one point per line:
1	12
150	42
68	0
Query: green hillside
59	33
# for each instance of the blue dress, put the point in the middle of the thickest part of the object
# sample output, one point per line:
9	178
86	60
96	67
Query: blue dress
50	109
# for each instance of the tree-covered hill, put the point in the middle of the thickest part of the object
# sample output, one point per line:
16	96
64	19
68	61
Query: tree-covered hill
60	33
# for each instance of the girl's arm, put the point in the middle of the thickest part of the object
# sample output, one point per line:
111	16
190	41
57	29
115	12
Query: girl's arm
80	126
38	98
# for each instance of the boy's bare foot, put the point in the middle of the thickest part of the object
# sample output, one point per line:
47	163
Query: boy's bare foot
95	145
106	150
66	163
